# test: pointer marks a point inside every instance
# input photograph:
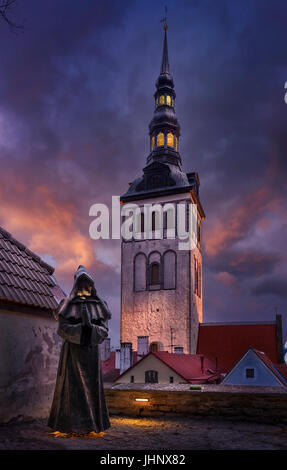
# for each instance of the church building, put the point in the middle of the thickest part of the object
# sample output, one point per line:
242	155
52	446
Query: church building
161	284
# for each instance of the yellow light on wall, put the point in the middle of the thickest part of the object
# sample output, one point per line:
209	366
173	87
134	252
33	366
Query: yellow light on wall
142	399
161	100
168	100
160	139
170	140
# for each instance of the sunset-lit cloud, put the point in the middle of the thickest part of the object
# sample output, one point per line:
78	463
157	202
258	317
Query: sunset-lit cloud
76	100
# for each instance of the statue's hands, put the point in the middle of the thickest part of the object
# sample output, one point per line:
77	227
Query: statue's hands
86	317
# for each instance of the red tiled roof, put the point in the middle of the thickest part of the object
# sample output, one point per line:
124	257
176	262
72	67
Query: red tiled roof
194	368
188	366
267	361
282	369
228	342
24	277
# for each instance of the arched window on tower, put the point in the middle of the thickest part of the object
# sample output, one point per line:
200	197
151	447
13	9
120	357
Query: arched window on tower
169	270
152	142
140	272
170	139
168	100
160	139
161	100
154	274
176	143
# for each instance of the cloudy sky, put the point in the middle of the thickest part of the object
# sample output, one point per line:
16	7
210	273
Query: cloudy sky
76	97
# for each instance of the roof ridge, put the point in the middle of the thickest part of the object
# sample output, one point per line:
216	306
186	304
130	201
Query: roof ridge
22	247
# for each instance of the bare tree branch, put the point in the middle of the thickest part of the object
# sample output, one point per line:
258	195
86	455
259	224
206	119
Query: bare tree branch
6	13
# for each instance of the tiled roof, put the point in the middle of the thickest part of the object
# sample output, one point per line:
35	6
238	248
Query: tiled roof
282	369
228	342
24	277
193	368
275	368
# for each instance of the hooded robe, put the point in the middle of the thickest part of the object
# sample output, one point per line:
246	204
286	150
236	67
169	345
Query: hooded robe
79	402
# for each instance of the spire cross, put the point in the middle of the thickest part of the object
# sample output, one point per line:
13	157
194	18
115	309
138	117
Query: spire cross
164	20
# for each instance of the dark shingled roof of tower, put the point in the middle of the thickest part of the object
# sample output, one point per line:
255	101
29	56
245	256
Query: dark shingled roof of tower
24	277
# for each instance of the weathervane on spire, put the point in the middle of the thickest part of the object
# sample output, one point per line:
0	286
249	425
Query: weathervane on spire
164	20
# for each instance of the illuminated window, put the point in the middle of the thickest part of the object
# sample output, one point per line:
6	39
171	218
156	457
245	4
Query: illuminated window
170	140
152	142
161	100
168	100
176	143
160	139
156	102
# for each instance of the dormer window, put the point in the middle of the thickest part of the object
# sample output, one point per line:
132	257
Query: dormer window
160	139
170	140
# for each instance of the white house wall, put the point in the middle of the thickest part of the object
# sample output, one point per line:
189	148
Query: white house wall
29	351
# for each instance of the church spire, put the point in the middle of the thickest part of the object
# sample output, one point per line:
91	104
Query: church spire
164	62
164	129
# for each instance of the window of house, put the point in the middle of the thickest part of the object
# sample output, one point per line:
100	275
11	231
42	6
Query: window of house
132	379
171	380
178	349
151	376
154	274
250	373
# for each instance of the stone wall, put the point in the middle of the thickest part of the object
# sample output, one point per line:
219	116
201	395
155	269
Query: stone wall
153	313
258	406
29	351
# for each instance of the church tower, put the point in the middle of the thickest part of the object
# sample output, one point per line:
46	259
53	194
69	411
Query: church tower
161	284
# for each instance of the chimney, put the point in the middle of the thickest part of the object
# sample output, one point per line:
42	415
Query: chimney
279	339
118	359
105	349
143	346
126	356
202	361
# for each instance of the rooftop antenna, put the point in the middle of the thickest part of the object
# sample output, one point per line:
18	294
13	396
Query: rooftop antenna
164	20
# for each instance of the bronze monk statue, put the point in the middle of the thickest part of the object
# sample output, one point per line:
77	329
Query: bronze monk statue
79	402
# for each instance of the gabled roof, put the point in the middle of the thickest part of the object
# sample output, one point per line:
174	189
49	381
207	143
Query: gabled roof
25	278
193	368
228	342
273	369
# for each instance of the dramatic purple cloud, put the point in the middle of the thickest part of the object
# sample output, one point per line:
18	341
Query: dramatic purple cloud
76	93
